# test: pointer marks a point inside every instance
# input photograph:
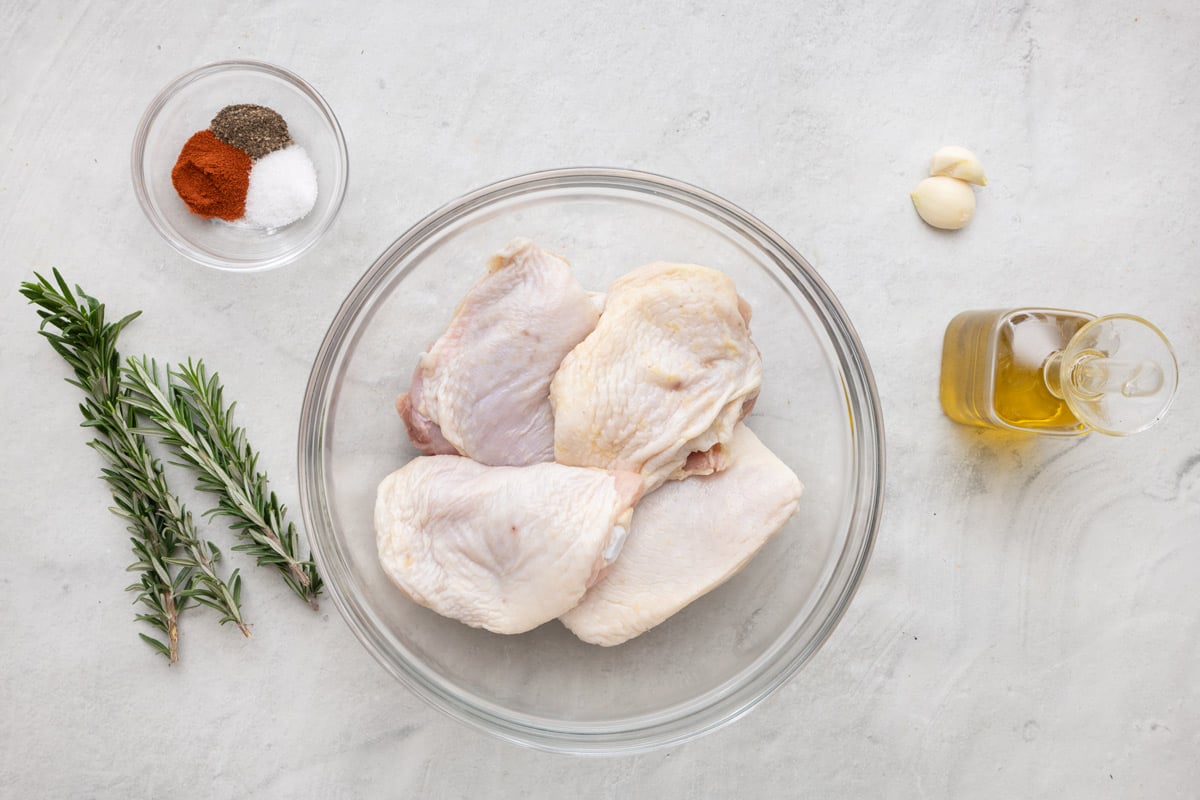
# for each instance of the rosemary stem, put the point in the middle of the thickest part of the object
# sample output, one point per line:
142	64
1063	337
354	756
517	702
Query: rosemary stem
172	626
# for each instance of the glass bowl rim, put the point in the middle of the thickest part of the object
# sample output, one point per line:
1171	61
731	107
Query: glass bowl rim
772	669
178	243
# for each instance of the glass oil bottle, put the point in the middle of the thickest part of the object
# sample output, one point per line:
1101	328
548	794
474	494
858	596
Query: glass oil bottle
1056	372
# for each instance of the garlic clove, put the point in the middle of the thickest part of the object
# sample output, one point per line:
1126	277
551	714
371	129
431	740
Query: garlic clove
946	203
957	162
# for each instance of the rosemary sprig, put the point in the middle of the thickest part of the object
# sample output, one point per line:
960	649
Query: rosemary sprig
189	414
161	528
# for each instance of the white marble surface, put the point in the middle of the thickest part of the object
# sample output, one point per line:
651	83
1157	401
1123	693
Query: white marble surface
1029	625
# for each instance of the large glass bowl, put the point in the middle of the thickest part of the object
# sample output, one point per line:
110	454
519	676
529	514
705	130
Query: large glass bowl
722	654
187	105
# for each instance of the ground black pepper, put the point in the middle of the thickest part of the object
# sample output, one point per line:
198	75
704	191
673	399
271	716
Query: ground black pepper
257	130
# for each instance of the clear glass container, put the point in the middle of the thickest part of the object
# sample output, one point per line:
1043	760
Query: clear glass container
187	105
721	655
1056	372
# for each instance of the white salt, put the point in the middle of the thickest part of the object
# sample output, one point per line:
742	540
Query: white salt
283	188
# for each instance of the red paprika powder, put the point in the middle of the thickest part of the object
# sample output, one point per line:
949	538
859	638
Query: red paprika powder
212	177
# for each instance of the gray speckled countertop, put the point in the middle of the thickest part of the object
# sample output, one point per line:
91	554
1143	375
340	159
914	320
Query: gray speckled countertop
1029	623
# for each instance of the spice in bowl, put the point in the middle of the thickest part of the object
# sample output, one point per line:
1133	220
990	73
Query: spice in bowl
256	129
212	177
246	169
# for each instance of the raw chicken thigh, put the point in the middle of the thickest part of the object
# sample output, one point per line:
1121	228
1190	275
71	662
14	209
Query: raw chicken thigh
652	390
501	548
659	385
482	390
688	538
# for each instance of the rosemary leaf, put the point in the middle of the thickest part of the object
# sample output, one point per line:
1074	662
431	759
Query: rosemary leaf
159	646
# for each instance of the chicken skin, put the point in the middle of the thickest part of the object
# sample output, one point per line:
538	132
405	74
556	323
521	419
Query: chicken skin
482	389
688	538
659	385
501	548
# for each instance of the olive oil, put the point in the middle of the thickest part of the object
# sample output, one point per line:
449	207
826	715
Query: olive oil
1045	370
994	365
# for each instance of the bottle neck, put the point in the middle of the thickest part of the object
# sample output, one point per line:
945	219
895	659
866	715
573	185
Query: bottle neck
1052	373
1093	376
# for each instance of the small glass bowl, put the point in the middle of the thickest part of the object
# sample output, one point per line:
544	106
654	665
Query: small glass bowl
707	665
187	105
